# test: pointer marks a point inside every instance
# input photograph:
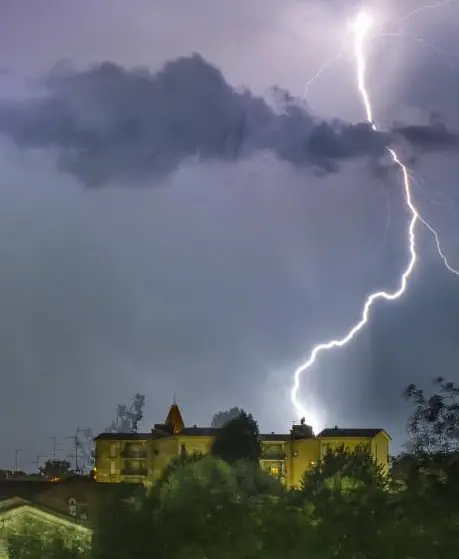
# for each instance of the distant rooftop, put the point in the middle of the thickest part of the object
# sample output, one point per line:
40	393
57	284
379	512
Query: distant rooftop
350	432
123	436
185	432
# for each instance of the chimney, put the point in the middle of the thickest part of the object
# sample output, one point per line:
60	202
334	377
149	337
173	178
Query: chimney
302	431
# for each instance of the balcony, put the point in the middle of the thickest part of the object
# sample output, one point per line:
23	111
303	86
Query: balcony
138	472
134	453
276	455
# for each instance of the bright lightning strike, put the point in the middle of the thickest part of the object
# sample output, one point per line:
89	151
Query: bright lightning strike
421	9
327	64
360	28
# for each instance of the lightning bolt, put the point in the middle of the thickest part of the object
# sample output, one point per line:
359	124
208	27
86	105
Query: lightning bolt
426	8
361	28
325	66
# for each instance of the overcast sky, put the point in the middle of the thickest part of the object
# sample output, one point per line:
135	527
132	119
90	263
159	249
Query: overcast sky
213	281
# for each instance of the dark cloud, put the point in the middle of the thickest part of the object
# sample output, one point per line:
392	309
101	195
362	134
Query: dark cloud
227	278
430	137
110	123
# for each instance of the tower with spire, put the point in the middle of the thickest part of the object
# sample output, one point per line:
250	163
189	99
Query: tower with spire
174	419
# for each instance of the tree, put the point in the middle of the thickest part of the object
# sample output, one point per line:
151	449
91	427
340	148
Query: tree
347	492
118	531
209	508
425	477
342	471
239	439
53	469
203	511
180	462
198	500
195	511
434	424
221	418
128	418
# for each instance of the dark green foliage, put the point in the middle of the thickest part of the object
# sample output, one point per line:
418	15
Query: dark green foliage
226	507
343	470
221	418
177	463
117	534
211	509
239	439
434	424
203	513
347	491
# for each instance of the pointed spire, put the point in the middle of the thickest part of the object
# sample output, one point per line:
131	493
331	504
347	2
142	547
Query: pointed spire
174	418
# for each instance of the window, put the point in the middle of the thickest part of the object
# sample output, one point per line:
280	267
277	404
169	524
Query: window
276	468
113	469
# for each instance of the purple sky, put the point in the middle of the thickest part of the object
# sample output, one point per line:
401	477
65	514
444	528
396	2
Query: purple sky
215	283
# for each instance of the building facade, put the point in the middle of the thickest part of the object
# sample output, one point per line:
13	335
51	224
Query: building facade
142	457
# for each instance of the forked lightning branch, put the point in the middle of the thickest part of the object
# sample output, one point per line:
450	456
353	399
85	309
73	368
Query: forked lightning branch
360	28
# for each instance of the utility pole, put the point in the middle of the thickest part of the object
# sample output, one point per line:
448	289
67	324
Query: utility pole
81	443
36	463
77	445
76	442
53	441
17	452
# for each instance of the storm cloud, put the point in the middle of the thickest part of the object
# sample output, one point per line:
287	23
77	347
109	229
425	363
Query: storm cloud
228	271
109	123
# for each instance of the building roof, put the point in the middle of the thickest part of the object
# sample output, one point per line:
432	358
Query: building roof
199	431
7	506
165	430
194	431
212	432
273	437
338	432
123	436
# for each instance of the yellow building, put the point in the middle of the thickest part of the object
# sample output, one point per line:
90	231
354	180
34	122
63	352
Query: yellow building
142	457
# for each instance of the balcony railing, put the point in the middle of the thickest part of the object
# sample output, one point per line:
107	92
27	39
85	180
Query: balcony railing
134	454
273	455
134	472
